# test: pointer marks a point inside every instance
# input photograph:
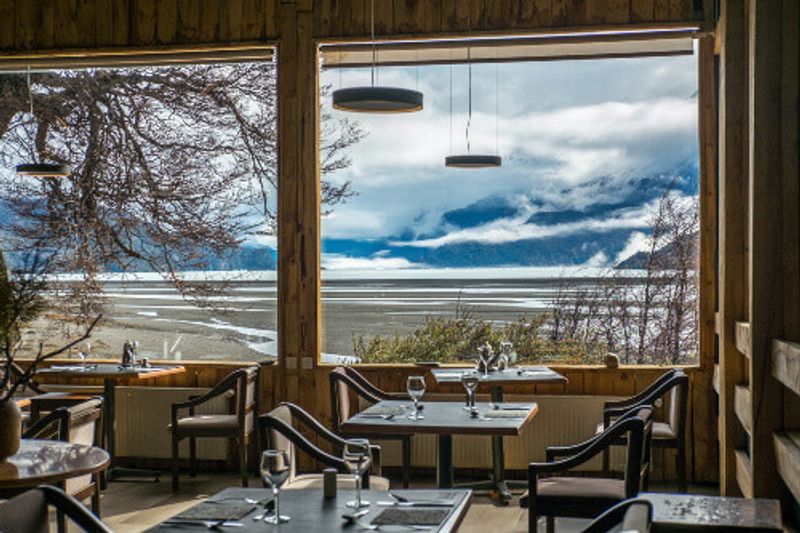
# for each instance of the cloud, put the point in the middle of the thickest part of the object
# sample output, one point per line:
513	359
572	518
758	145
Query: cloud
375	262
600	259
518	229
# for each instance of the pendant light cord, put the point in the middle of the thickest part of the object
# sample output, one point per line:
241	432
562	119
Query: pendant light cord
451	106
497	108
469	70
374	44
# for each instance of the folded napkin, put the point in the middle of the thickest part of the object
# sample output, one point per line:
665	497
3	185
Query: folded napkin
217	510
449	375
71	368
506	413
405	516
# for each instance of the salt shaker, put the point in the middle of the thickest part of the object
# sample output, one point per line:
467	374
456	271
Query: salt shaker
329	483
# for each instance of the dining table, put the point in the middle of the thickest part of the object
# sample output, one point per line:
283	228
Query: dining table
448	379
48	461
444	420
236	509
112	374
700	513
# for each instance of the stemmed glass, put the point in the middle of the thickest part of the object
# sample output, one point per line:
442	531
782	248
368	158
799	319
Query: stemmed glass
416	388
275	471
485	355
358	457
84	354
470	381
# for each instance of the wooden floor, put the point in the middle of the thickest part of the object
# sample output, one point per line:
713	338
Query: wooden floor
139	505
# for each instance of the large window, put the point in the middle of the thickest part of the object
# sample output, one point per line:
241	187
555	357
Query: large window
166	222
583	243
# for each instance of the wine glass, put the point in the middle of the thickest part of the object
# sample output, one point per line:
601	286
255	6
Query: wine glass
275	471
485	355
470	381
358	457
416	388
83	354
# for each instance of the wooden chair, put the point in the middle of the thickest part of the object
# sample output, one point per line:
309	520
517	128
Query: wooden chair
29	512
241	386
78	424
587	497
668	434
280	430
342	381
630	516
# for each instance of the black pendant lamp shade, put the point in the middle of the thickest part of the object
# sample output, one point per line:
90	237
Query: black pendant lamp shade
377	100
473	161
44	170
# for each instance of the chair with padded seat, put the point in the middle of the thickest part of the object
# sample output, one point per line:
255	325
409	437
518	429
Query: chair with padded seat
78	424
280	429
29	512
588	497
630	516
241	387
345	379
670	433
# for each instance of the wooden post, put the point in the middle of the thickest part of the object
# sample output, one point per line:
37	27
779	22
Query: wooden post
765	27
703	449
299	310
732	229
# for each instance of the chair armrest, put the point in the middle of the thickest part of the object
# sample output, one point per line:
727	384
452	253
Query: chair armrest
73	509
553	452
267	422
311	423
52	426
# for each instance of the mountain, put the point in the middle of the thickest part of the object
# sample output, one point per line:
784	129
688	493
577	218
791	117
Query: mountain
664	257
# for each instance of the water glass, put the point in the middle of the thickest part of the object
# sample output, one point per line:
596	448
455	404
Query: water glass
470	381
416	388
275	471
358	457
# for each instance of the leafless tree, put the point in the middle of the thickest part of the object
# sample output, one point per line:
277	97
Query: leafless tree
170	166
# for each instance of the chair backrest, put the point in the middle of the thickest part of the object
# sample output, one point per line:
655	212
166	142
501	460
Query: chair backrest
28	512
341	383
76	424
247	397
637	461
678	398
280	430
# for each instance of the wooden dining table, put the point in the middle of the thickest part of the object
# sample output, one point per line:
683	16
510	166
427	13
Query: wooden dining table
449	380
309	511
443	419
111	374
49	461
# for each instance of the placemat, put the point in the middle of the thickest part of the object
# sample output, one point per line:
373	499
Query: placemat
410	517
506	413
383	410
216	511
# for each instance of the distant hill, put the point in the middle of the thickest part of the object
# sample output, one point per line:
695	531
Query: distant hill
665	257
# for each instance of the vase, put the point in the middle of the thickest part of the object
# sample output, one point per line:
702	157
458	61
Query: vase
10	429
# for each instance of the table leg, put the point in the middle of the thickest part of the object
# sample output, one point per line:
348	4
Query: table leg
444	461
498	456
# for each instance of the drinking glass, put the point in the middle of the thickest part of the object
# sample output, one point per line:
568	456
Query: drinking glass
485	354
358	457
416	388
470	381
83	354
275	471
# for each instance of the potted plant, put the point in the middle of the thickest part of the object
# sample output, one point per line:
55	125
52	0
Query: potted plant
20	302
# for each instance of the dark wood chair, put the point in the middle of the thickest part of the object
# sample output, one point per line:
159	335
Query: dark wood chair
29	512
78	424
670	433
280	429
345	379
630	516
588	497
241	387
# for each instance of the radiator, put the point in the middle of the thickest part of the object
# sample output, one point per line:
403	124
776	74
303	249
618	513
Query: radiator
561	420
143	414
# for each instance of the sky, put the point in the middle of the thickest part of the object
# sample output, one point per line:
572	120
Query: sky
572	134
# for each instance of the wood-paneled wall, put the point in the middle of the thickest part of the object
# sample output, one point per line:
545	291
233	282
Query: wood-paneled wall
28	26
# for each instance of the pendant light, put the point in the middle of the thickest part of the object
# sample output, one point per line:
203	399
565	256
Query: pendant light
41	170
374	99
470	160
